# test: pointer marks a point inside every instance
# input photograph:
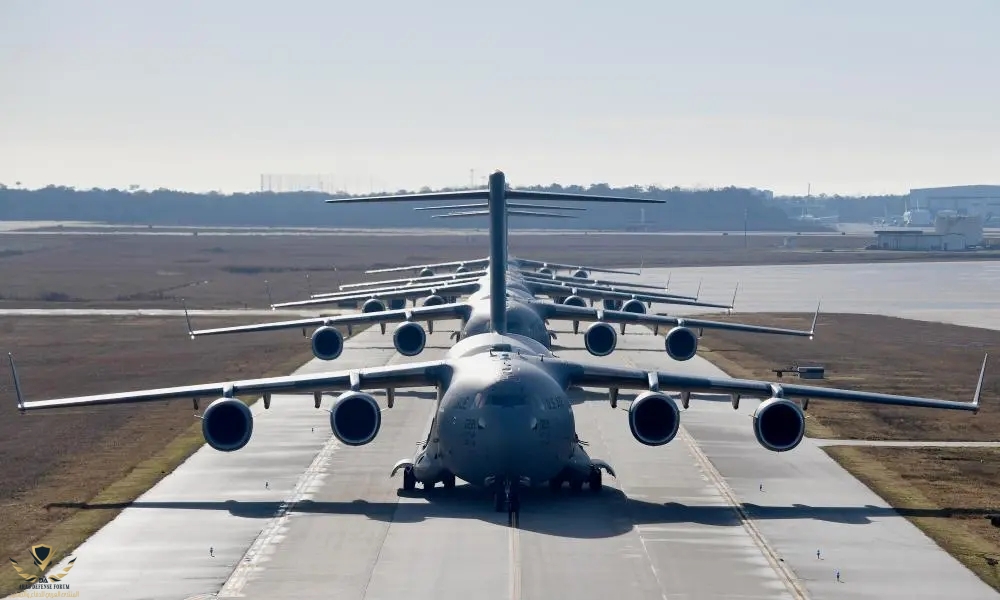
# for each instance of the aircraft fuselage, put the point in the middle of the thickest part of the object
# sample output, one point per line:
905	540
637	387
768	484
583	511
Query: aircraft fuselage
500	417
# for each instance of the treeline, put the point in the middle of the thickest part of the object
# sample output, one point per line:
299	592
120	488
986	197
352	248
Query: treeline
685	210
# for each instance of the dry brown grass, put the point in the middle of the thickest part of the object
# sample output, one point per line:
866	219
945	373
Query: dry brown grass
229	271
949	493
879	354
79	454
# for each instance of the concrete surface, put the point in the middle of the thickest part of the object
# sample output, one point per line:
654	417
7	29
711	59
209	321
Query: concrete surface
963	293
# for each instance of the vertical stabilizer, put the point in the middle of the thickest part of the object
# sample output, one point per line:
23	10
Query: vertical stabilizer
498	252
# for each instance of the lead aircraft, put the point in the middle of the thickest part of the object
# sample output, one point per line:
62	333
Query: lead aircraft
503	418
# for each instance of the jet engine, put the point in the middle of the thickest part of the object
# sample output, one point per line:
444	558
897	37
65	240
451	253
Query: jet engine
373	305
327	343
575	301
425	272
409	338
681	343
227	424
461	269
545	271
355	418
432	301
779	424
634	306
654	418
600	339
580	273
612	304
397	303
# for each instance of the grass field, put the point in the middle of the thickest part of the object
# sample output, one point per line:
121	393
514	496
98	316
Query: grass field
229	272
76	455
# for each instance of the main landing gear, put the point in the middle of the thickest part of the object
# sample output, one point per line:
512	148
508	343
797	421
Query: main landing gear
594	481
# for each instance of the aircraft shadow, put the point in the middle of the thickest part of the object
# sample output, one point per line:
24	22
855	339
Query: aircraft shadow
579	515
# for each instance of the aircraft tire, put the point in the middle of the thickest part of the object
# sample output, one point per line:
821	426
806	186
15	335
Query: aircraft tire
595	480
448	481
409	480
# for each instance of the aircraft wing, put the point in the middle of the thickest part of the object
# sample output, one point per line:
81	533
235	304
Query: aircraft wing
412	291
455	263
617	295
614	378
601	287
581	313
423	313
542	264
420	374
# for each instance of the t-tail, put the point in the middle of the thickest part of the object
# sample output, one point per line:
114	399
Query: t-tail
496	196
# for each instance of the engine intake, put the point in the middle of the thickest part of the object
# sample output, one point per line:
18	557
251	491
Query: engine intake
425	272
355	418
580	273
373	305
634	306
654	418
397	303
681	343
409	339
227	424
434	300
600	339
545	271
327	343
575	301
779	424
461	269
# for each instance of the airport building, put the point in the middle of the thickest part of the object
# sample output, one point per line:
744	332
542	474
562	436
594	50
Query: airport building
951	232
974	200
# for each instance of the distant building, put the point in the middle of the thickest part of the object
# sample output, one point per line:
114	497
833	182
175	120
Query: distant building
974	200
914	239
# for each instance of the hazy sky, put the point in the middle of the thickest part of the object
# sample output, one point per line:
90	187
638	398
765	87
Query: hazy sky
853	96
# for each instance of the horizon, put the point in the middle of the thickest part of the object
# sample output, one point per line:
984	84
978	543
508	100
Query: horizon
847	99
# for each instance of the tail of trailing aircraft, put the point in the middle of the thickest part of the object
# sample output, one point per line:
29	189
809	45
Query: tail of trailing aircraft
496	196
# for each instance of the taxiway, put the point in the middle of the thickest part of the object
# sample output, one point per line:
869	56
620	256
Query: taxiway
710	515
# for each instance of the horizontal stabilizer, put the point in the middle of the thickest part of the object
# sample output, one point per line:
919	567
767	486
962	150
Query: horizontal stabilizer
509	205
515	213
484	195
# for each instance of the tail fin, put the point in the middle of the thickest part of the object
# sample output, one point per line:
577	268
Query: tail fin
496	196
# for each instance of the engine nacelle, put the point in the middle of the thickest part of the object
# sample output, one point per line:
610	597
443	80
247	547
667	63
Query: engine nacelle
545	271
327	343
373	305
654	418
409	338
355	418
612	304
434	300
581	274
461	269
779	424
425	272
681	343
575	301
227	424
634	306
397	303
600	339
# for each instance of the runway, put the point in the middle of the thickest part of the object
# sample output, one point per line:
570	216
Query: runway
331	524
962	293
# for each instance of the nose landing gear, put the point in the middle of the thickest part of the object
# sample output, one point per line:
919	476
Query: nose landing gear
506	497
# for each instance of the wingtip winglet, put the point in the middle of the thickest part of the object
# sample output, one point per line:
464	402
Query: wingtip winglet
812	330
17	383
979	384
